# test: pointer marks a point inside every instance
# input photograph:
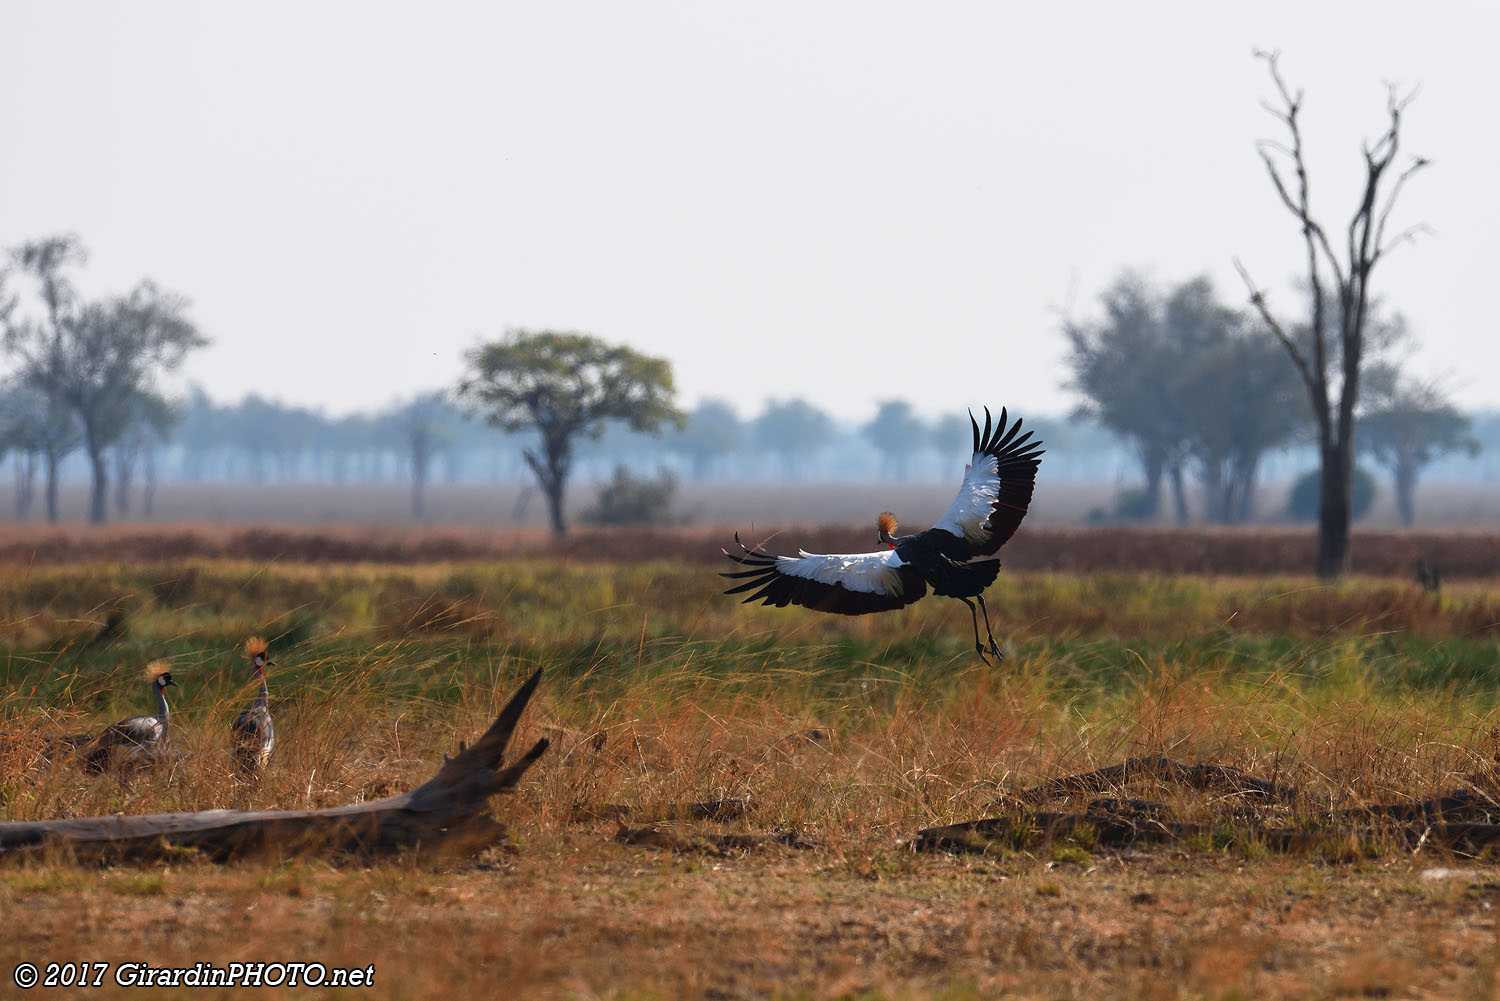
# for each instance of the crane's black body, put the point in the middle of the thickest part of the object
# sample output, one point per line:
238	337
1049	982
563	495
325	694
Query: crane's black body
956	557
253	733
136	739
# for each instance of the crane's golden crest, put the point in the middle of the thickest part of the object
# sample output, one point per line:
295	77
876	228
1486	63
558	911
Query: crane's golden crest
886	523
255	646
157	668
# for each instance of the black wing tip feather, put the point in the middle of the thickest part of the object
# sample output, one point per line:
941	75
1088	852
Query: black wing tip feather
762	573
1005	442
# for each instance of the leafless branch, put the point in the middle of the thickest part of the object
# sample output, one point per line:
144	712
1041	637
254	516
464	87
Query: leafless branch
1258	300
1301	205
1380	245
1409	233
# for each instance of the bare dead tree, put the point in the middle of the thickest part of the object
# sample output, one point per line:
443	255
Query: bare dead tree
1328	357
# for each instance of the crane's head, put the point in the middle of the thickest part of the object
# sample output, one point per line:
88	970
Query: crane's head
885	528
160	673
258	651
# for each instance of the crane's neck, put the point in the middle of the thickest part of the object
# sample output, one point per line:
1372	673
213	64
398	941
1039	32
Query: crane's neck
264	695
162	709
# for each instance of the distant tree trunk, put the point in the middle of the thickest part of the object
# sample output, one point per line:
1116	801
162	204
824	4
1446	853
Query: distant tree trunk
1334	499
1218	492
1179	493
700	464
1153	465
552	476
124	474
99	463
192	464
1245	488
25	464
419	463
148	492
1406	487
53	460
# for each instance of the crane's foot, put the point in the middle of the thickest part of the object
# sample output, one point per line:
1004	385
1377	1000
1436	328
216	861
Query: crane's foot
985	653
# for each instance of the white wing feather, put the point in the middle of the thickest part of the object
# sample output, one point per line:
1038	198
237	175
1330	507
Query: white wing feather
967	515
872	573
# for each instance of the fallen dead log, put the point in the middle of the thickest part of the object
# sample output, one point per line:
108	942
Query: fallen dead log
669	839
1018	833
1025	830
449	812
711	809
1157	766
1459	820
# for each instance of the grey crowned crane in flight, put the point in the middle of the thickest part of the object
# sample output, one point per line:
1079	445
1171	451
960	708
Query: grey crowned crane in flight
955	557
135	740
252	734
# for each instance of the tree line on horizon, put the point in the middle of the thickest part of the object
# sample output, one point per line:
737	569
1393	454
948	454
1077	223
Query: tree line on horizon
1172	377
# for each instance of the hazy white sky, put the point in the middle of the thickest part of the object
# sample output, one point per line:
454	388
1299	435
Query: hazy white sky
841	201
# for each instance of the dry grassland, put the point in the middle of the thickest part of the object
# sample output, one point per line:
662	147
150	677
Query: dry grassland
851	733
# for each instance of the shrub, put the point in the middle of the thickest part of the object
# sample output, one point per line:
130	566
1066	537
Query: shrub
630	500
1131	504
1302	505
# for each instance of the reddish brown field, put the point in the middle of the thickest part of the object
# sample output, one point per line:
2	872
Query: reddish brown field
1058	503
1239	551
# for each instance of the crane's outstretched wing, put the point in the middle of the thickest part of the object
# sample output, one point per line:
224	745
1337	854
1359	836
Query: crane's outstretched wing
996	490
851	584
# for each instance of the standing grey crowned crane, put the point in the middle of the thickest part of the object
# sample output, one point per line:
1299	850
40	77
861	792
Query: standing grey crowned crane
253	735
134	740
956	556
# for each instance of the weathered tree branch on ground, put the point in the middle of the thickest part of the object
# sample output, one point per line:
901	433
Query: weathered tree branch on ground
449	812
670	839
1158	766
1461	820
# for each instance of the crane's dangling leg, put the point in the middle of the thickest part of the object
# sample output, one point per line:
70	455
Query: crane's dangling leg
994	647
979	646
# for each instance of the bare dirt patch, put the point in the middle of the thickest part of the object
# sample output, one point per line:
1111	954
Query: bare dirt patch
581	916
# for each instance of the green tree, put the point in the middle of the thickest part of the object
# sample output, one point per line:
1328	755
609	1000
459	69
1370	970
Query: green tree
1179	376
110	357
24	435
48	263
428	425
713	430
794	429
897	432
152	418
1122	365
1237	397
93	359
565	386
1405	425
